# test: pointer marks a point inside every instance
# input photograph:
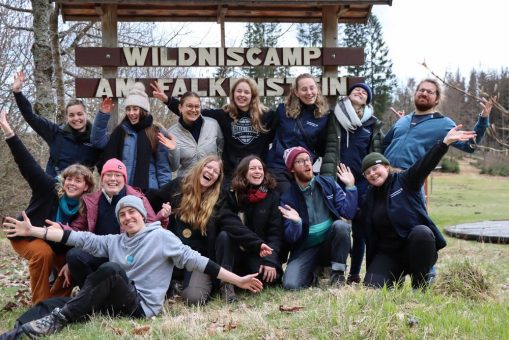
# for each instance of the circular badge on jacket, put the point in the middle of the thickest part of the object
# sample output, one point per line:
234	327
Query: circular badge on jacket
186	233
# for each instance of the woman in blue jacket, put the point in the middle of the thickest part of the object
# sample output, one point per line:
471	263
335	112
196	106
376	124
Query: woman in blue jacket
400	236
68	143
302	120
134	141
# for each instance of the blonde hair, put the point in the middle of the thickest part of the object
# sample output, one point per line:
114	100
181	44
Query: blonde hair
256	108
75	170
293	104
196	207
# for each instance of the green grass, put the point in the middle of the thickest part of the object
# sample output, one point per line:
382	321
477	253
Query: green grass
448	310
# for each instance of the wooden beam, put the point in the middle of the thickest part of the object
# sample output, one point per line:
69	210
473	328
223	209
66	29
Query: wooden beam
330	39
109	27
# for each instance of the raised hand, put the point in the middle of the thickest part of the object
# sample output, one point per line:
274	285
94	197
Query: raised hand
345	175
265	250
398	114
457	135
487	105
19	79
158	92
106	105
290	213
4	124
170	142
13	227
166	210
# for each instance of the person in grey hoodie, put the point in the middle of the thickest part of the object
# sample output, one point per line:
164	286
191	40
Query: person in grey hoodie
137	276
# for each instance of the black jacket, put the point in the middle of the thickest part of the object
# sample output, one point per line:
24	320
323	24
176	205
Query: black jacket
263	218
405	206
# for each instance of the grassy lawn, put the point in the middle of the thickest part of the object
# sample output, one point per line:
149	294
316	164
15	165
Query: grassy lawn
473	305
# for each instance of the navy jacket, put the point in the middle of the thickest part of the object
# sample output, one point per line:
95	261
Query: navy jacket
339	203
405	206
64	149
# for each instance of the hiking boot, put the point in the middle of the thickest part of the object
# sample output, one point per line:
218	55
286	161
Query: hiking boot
227	293
355	278
337	278
47	325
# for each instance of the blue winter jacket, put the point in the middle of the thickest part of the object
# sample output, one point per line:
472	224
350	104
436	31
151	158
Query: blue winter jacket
405	144
64	149
159	168
405	207
339	203
288	134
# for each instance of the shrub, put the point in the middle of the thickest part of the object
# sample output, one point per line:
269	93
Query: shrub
464	279
450	165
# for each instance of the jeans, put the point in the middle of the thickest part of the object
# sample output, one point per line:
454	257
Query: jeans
416	258
81	264
302	262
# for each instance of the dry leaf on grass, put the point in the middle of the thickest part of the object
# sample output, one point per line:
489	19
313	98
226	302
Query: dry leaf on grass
290	309
9	306
141	330
215	327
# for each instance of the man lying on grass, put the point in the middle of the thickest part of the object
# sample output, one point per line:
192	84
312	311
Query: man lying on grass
137	276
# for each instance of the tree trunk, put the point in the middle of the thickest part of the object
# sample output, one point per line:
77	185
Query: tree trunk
57	62
43	62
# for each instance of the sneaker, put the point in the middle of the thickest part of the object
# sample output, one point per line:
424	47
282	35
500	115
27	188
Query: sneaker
337	278
355	278
227	293
47	325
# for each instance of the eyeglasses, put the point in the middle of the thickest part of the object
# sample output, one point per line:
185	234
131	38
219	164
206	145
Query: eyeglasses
426	91
192	107
303	161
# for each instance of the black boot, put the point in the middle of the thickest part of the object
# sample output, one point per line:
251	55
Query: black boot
51	323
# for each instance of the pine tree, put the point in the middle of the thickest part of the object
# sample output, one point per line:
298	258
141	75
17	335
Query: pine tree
264	35
310	35
377	68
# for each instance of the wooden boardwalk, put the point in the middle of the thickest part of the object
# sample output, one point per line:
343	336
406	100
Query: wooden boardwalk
486	231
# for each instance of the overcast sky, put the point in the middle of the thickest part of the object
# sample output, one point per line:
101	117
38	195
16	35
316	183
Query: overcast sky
447	34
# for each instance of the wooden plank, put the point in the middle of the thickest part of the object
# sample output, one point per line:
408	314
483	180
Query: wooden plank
486	231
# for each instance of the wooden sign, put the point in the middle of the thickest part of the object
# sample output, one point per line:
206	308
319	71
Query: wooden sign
204	87
216	56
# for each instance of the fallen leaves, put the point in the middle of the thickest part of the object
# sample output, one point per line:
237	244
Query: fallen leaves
291	309
216	327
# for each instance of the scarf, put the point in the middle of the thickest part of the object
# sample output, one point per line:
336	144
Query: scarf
115	149
79	137
256	194
194	128
67	209
348	118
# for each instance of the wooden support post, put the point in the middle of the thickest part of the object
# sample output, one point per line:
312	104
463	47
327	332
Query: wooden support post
330	39
109	26
221	13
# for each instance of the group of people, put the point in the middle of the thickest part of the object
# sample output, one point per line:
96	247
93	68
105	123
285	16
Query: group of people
245	199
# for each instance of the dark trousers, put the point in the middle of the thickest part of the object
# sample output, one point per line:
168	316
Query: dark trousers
283	179
358	248
81	264
107	290
416	258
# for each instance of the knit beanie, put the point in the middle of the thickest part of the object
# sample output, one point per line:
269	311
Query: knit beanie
114	165
137	97
133	202
373	159
362	86
292	153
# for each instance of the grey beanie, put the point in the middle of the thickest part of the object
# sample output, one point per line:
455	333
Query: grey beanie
131	201
138	97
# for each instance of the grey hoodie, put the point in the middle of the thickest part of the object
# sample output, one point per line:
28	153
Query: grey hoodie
148	259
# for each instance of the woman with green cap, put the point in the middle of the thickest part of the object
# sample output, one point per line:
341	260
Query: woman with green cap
400	236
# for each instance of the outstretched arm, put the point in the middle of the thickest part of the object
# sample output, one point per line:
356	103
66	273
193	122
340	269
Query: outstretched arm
249	282
13	228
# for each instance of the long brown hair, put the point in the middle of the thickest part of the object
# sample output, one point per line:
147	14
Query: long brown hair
256	108
75	170
293	105
240	183
196	207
